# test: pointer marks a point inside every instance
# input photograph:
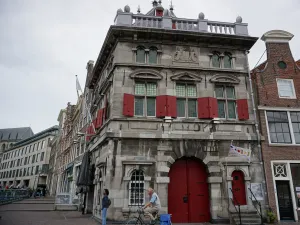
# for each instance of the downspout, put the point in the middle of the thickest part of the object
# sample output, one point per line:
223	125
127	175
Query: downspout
256	128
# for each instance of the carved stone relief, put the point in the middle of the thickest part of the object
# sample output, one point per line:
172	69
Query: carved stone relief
185	54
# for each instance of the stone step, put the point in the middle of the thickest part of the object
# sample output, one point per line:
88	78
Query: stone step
247	220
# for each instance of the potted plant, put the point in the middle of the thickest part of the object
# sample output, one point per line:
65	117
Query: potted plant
271	217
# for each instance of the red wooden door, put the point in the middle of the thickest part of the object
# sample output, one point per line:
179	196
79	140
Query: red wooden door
199	210
188	197
177	192
238	188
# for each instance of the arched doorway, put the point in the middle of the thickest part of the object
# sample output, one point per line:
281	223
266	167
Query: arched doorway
188	194
238	187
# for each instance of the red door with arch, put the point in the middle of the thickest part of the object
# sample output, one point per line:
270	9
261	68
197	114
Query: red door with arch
238	188
188	194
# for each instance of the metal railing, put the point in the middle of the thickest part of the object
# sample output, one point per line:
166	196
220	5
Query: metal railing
8	196
255	205
238	210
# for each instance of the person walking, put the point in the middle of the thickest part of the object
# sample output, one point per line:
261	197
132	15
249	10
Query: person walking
105	205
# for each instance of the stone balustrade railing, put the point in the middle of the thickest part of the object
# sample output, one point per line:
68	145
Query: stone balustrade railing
196	25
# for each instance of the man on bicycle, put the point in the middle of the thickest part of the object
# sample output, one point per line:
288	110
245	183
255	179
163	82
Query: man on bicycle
154	204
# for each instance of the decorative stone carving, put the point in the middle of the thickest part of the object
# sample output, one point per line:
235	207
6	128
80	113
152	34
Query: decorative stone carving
223	78
146	74
280	170
185	54
186	76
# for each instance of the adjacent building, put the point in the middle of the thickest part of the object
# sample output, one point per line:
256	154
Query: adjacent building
9	136
25	164
277	87
168	97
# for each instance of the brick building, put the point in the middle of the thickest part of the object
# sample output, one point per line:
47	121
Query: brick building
277	86
168	96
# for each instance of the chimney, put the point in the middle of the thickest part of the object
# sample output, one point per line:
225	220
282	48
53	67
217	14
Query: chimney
277	45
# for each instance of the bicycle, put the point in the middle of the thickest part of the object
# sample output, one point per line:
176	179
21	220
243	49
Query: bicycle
139	220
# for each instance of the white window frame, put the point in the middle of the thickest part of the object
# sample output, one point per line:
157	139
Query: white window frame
226	99
293	89
290	126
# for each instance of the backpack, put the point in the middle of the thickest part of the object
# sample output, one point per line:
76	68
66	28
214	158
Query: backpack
108	203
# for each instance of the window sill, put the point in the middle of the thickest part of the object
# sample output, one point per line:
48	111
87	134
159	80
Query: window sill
283	145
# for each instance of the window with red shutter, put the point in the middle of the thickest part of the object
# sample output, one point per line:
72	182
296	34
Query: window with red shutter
171	106
213	107
99	118
161	102
242	108
128	105
226	101
207	108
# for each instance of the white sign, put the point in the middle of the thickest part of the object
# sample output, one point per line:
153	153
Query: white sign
257	191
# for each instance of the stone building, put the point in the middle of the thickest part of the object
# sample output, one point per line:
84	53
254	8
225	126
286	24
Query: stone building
10	136
169	97
277	86
26	163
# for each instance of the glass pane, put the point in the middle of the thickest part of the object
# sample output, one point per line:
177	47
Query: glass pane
285	127
180	107
180	90
192	111
153	56
271	127
139	107
139	89
287	138
215	61
150	106
295	117
227	61
191	91
221	109
140	55
219	92
231	110
270	116
280	137
151	89
278	127
230	92
297	138
296	127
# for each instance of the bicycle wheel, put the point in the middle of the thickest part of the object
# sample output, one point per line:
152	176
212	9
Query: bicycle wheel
133	221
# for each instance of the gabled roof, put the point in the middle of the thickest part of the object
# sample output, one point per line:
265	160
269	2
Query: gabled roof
15	134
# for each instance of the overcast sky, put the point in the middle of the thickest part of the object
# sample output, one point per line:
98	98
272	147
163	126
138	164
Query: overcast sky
43	44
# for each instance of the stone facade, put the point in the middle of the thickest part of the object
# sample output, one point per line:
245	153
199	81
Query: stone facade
126	142
278	153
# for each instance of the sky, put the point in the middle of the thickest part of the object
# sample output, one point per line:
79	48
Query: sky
44	44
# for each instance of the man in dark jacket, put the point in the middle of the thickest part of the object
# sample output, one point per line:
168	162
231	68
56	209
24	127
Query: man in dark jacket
105	205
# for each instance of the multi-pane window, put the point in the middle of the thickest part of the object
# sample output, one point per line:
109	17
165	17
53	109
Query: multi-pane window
145	97
137	186
286	88
186	100
226	101
140	55
279	130
216	60
295	119
153	56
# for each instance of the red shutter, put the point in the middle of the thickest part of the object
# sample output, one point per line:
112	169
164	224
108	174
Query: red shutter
207	108
242	108
171	106
161	102
213	108
203	108
128	105
99	118
104	114
95	123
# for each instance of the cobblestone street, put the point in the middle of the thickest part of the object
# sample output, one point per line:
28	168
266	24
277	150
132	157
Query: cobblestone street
45	218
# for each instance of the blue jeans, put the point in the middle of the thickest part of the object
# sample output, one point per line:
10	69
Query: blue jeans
104	211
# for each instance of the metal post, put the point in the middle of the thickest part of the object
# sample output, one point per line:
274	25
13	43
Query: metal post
261	217
240	214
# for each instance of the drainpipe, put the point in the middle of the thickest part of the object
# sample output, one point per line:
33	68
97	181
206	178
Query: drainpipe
256	124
